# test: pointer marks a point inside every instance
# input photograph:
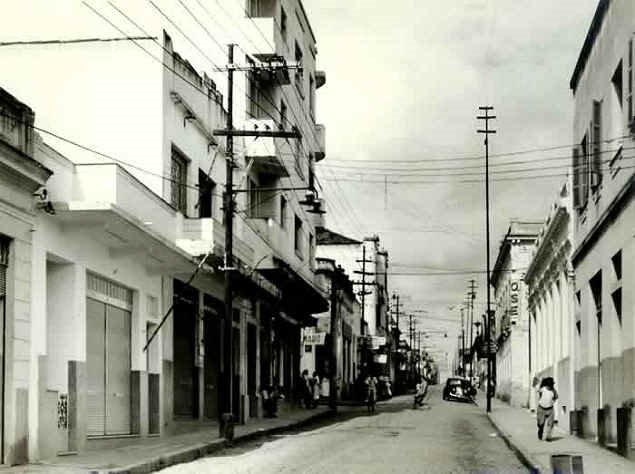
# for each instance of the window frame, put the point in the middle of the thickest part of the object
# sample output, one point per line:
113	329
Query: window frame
178	188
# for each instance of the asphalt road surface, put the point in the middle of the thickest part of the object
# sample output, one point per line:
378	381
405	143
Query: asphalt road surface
443	437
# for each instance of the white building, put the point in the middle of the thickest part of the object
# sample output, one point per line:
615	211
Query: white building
511	327
550	280
132	219
603	255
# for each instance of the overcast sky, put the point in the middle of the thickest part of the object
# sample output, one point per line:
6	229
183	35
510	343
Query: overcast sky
404	80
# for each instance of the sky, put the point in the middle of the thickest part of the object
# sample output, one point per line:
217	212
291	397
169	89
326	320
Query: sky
404	82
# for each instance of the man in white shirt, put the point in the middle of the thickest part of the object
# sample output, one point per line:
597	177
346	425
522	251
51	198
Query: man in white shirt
547	397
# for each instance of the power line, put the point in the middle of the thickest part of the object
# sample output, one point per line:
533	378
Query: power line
520	178
480	166
75	41
479	157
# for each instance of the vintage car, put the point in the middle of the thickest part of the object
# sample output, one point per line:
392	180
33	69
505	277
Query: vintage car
459	389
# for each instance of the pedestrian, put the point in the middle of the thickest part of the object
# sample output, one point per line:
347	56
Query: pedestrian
371	387
316	389
307	393
547	397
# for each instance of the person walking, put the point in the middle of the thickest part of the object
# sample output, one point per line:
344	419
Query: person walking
307	393
317	388
371	387
547	397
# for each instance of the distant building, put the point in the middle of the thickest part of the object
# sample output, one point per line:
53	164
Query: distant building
550	281
511	327
604	217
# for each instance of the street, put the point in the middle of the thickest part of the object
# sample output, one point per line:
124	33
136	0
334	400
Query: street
446	438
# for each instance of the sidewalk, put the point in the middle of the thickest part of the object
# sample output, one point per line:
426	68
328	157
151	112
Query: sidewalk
151	454
517	426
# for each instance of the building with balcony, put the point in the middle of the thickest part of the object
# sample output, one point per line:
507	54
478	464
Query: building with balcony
550	302
148	193
511	327
603	255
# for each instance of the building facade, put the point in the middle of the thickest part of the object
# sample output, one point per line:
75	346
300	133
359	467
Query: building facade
603	249
550	281
128	225
511	326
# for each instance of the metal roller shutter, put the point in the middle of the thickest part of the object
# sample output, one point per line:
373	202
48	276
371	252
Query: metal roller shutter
108	314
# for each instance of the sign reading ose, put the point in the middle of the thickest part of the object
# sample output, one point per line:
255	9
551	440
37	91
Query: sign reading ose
316	338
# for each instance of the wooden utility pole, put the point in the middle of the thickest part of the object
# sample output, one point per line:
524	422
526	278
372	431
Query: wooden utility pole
335	334
227	376
491	359
472	296
228	198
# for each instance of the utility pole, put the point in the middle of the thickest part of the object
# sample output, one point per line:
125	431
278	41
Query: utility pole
335	328
472	296
363	294
228	209
487	117
227	376
463	340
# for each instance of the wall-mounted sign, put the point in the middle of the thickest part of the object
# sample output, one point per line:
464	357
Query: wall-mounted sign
316	338
380	358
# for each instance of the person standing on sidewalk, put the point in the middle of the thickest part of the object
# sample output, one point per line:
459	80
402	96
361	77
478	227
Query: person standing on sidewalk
547	397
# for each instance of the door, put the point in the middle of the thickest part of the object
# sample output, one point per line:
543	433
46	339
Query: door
251	370
212	364
236	373
108	367
185	388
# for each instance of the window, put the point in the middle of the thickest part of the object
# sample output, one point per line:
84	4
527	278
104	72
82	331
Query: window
596	290
312	97
297	237
254	198
578	304
206	189
253	8
308	348
297	154
255	98
596	146
283	23
299	77
616	80
616	260
283	212
311	250
630	81
283	115
178	175
580	175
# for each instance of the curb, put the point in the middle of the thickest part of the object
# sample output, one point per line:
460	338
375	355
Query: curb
534	466
198	451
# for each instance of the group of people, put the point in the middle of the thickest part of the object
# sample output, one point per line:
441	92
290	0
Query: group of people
310	389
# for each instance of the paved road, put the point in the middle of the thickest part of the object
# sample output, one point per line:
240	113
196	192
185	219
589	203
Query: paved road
445	438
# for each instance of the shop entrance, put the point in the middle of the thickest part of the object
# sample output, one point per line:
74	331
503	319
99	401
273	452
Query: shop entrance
185	371
212	339
108	315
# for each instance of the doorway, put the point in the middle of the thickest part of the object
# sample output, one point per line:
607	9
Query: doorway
108	367
185	371
212	339
4	261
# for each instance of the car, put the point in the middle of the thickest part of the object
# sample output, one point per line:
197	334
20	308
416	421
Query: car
458	389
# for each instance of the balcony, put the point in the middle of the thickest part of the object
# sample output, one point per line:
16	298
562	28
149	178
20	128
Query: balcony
320	136
263	150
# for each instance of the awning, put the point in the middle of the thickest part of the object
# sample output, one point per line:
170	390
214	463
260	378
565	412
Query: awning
299	297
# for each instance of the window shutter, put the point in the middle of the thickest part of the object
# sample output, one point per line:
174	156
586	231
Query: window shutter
596	158
577	201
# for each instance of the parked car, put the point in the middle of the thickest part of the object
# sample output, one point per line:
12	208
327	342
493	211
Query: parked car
459	389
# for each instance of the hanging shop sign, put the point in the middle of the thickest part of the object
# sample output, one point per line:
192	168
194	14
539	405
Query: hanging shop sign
316	338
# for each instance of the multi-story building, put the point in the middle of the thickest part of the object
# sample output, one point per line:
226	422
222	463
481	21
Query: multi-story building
367	257
146	195
511	326
603	255
344	311
550	282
